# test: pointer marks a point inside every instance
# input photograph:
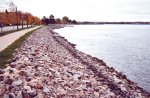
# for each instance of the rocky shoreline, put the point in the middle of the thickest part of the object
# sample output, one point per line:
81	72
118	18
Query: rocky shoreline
48	66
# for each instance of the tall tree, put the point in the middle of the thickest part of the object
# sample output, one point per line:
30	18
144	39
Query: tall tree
52	19
74	22
58	21
65	20
45	21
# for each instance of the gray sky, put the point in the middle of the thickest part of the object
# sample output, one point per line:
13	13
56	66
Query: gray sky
92	10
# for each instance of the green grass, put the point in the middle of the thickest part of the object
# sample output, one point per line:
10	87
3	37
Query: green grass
12	31
6	54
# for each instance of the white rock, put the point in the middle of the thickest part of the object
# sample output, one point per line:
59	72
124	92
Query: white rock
26	59
18	82
46	89
116	79
7	69
86	81
57	74
84	87
76	77
96	94
123	88
27	88
79	72
61	91
32	93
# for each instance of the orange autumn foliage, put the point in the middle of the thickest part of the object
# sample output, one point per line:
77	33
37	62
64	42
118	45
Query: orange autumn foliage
12	18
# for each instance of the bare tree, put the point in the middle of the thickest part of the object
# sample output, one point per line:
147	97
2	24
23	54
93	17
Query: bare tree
7	4
2	4
12	6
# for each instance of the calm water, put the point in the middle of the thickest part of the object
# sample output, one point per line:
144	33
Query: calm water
124	47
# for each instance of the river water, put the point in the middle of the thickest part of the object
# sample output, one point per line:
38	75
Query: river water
124	47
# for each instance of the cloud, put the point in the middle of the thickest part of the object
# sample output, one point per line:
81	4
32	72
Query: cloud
93	10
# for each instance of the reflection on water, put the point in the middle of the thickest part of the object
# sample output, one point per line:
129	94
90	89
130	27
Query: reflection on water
124	47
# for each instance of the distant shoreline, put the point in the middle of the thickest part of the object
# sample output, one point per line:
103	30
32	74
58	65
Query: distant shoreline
137	23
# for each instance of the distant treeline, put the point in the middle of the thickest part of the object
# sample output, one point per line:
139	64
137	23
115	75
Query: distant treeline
52	20
66	20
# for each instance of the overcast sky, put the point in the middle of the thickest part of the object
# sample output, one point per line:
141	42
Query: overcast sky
89	10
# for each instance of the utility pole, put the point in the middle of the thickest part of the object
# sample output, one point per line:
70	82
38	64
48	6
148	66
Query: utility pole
27	19
1	23
17	18
22	17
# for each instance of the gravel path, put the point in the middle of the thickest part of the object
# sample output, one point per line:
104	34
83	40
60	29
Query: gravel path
48	66
7	40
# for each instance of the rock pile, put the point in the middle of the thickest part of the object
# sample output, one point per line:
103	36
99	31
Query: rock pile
48	66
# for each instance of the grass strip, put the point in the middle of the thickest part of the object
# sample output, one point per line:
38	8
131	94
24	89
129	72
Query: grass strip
7	53
11	31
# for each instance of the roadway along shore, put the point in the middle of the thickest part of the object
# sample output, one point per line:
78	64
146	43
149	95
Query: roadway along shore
8	39
48	66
